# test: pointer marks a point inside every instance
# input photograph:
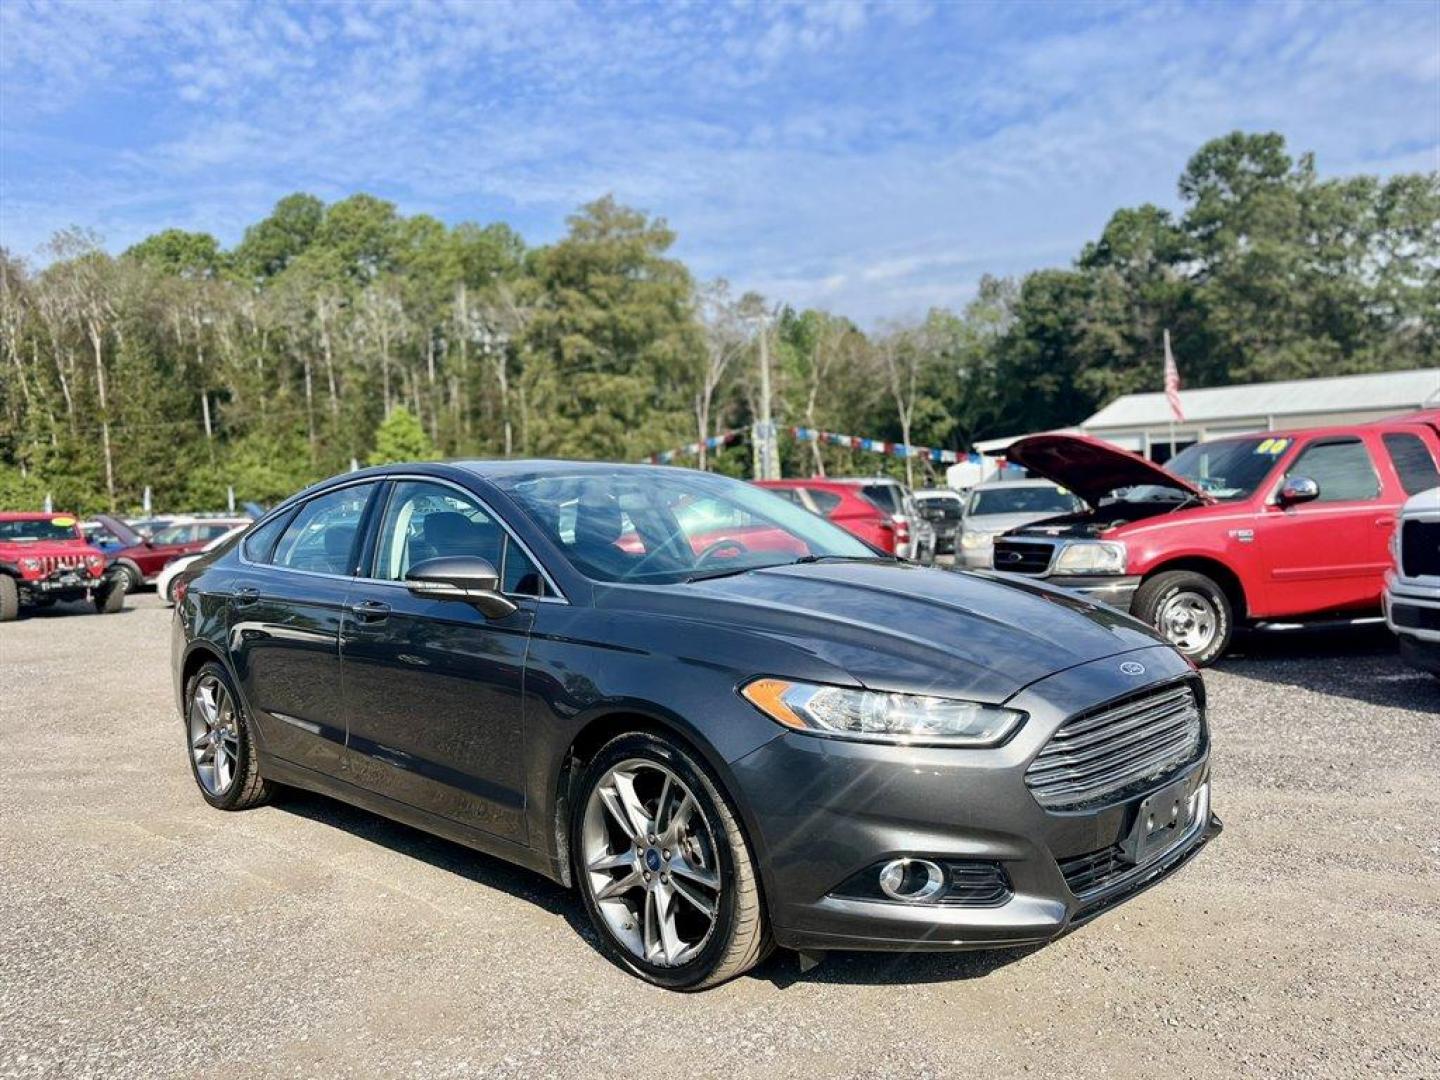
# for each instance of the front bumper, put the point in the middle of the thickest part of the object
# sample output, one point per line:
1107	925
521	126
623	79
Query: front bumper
860	805
63	586
1116	590
1413	615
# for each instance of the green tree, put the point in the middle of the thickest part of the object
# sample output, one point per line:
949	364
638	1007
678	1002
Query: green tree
400	437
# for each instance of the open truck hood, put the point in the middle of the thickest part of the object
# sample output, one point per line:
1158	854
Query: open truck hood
1092	468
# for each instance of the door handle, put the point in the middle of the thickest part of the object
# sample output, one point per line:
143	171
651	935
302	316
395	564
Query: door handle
245	596
1384	522
370	610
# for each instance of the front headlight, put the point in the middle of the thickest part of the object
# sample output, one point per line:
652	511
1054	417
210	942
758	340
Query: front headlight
29	562
1091	557
975	539
872	716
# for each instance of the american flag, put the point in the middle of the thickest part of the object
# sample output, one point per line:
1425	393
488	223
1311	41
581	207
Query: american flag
1172	381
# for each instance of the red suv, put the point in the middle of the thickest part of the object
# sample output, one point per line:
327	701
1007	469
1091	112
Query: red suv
44	558
843	504
1281	525
141	558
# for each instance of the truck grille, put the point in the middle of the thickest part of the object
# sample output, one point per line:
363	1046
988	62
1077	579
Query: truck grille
1097	755
1022	557
1420	548
51	563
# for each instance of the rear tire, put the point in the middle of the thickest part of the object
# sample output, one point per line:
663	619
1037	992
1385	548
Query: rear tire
1190	611
9	599
737	937
225	768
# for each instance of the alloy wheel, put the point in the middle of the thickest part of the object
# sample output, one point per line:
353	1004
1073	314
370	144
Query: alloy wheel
214	735
1189	620
650	862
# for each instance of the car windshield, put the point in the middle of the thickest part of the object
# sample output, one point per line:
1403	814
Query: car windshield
1038	499
668	526
1229	468
61	528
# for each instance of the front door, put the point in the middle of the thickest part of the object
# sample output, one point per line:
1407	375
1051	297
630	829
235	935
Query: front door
1328	554
284	626
433	687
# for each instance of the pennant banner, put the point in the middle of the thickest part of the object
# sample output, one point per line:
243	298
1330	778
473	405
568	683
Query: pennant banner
880	446
725	438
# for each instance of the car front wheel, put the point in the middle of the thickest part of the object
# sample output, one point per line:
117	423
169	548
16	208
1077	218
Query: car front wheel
664	868
1190	610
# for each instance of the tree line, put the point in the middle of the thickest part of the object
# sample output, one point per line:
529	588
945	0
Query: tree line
353	333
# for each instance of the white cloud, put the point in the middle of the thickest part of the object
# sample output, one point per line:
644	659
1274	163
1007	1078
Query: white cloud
877	158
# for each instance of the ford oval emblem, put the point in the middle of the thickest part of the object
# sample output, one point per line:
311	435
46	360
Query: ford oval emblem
1130	667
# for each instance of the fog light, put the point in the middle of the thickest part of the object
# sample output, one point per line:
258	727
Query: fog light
912	881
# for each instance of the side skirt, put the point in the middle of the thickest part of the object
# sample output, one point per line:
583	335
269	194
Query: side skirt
284	772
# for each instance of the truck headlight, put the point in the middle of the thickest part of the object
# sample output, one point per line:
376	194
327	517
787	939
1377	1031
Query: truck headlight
30	563
970	539
1091	557
873	716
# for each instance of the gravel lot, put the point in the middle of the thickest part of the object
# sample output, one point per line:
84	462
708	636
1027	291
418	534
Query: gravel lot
144	934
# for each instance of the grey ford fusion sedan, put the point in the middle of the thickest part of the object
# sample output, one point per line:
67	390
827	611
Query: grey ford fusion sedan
729	724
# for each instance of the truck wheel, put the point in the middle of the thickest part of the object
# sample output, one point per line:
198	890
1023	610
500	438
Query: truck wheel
112	598
1190	610
9	599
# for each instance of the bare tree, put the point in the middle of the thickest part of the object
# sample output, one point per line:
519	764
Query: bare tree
725	340
901	352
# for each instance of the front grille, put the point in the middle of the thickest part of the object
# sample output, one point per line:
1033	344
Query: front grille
1420	548
49	564
1087	873
1098	755
1022	557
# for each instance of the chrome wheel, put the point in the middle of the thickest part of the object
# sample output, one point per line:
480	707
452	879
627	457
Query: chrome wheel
214	735
650	863
1189	620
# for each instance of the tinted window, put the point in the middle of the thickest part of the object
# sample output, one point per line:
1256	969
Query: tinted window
1412	461
261	542
1342	469
430	521
885	496
321	536
825	501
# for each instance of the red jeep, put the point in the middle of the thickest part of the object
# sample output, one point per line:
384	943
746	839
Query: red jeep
44	558
1270	526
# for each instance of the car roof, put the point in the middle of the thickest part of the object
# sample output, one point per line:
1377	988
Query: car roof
996	485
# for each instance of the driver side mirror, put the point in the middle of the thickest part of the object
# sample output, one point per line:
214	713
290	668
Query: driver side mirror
467	578
1298	489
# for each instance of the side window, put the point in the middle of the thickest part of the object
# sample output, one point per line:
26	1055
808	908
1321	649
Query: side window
1341	467
825	501
321	536
1412	461
261	542
429	521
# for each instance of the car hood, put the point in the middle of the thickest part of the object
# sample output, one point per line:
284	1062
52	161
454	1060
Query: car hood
903	628
1090	467
998	523
127	536
15	549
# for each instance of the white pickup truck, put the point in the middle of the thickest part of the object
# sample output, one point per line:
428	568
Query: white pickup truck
1412	589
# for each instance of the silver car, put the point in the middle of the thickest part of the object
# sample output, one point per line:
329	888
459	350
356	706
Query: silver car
1002	505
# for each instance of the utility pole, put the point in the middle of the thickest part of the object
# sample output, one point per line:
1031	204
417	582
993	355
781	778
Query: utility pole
768	463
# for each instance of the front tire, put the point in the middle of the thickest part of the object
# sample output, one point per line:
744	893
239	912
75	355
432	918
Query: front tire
1190	610
220	742
9	599
111	599
664	868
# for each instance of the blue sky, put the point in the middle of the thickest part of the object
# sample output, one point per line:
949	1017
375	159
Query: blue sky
874	159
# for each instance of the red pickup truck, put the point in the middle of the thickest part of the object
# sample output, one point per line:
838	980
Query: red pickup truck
1269	526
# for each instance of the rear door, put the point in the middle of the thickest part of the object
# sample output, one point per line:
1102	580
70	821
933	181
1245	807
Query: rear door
285	614
1330	554
432	688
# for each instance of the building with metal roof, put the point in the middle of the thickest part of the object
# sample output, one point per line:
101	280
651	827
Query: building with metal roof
1144	423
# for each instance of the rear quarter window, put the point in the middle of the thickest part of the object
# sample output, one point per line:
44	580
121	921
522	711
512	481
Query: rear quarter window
1412	460
260	544
825	501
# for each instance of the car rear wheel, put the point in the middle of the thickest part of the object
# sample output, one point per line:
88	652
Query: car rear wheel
664	868
9	599
1190	610
222	752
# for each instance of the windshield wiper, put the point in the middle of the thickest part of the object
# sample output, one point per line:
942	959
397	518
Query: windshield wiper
731	571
